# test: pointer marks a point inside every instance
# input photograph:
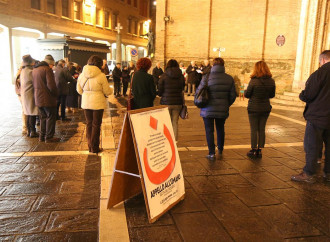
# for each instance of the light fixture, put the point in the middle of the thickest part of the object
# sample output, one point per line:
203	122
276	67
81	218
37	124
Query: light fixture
155	3
167	18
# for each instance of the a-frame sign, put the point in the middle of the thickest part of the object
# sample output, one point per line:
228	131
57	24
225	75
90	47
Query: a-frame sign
147	160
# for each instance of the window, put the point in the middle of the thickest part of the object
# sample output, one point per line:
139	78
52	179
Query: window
141	29
114	21
98	17
106	19
135	3
35	4
129	26
88	14
51	6
77	10
136	26
65	8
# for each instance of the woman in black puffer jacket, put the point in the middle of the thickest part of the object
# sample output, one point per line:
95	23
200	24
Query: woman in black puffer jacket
170	89
261	88
222	95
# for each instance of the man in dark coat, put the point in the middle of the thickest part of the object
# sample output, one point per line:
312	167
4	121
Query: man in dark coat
156	73
206	68
117	75
222	95
125	79
63	78
192	77
45	94
317	114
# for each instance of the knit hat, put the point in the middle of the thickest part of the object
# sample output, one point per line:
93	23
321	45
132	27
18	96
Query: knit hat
27	60
49	59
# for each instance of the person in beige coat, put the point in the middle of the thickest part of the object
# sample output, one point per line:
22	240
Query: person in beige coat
94	88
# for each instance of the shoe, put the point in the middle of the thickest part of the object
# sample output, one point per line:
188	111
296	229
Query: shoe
52	140
211	157
326	177
41	139
252	154
99	150
258	154
219	157
303	177
34	135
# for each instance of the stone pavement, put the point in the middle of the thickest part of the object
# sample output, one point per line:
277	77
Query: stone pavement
58	192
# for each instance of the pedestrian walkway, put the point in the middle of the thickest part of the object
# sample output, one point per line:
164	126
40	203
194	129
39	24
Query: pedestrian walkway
58	192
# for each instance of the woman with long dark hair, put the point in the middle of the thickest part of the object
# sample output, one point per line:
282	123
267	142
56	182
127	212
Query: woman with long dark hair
170	89
94	88
261	88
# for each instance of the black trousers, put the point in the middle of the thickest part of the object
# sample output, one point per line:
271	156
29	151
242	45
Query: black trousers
61	100
257	124
93	128
125	86
47	122
116	87
209	130
31	124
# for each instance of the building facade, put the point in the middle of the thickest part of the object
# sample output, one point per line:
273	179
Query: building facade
24	21
287	34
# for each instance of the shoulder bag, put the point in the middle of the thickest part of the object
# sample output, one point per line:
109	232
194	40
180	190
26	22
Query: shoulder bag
184	109
201	98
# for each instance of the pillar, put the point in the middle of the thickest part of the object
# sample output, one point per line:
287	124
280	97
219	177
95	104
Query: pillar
11	55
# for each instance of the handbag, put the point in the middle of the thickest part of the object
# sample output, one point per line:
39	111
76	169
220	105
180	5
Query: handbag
184	109
130	98
201	98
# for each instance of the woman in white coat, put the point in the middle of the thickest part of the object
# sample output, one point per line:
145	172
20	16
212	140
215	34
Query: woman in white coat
94	88
27	96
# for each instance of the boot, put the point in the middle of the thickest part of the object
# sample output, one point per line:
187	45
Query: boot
259	155
252	154
34	134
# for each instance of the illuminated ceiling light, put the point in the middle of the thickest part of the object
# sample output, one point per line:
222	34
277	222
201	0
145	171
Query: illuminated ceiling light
155	3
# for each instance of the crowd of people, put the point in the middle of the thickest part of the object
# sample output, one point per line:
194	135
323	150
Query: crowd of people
43	89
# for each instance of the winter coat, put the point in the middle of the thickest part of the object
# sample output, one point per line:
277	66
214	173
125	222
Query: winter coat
221	93
45	90
27	92
206	69
317	97
259	91
116	74
143	89
156	73
63	78
170	87
125	75
192	74
94	87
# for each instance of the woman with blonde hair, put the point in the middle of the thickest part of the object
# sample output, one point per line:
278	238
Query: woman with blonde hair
260	89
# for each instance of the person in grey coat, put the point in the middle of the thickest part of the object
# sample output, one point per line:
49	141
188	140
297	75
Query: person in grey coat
27	96
261	88
222	95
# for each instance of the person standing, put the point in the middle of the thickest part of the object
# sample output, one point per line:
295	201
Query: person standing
62	78
72	97
156	73
27	95
143	86
192	77
125	79
45	94
170	89
206	68
18	93
317	114
184	73
221	96
117	76
94	87
260	89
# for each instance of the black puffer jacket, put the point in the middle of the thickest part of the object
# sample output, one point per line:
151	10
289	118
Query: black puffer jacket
317	97
222	93
259	91
170	86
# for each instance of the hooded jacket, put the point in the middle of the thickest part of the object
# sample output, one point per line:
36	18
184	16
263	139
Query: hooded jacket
94	87
45	90
259	91
317	97
170	87
27	92
222	93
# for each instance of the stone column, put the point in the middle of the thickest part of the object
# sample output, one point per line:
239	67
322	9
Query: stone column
305	44
118	44
160	42
11	55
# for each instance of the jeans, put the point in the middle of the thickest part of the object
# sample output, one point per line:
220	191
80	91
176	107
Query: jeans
31	123
257	125
47	122
116	87
61	100
174	114
312	142
93	129
209	130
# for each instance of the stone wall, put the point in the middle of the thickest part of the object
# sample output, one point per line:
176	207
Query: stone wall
241	27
